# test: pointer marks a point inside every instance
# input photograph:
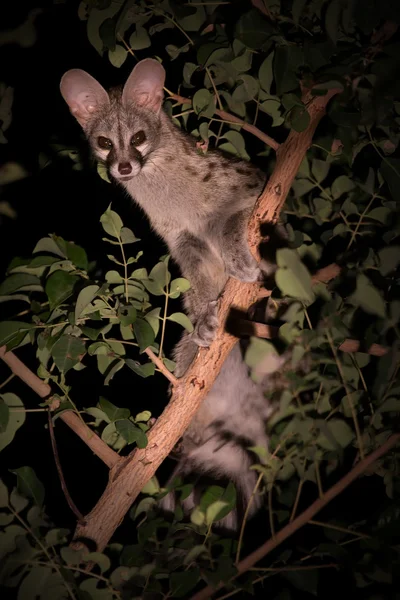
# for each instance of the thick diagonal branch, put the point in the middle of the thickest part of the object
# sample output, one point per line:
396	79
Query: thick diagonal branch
128	479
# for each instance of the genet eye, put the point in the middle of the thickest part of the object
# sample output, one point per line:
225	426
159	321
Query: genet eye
104	143
138	138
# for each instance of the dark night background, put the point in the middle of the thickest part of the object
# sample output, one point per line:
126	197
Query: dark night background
58	199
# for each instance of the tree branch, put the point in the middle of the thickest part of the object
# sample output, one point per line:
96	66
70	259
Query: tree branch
127	482
42	389
269	332
225	116
305	516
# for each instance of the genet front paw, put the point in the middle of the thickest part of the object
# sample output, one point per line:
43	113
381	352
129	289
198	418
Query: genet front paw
206	326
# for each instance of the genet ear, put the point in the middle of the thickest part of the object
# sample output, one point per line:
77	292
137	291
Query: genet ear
145	84
83	94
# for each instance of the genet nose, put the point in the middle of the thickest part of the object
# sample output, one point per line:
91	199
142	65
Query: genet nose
124	168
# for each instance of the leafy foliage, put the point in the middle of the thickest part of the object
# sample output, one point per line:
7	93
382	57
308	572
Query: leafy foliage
252	61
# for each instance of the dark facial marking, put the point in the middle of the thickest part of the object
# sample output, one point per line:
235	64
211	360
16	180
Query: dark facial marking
207	177
252	186
138	138
104	143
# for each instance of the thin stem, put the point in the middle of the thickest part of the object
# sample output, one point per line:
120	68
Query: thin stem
357	227
297	499
64	487
250	502
232	119
348	394
44	550
164	322
338	528
182	114
9	378
215	89
270	512
161	367
307	317
319	482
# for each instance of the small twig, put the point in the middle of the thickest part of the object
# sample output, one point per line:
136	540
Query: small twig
214	88
296	501
348	394
229	117
64	488
338	528
9	378
160	365
307	515
250	502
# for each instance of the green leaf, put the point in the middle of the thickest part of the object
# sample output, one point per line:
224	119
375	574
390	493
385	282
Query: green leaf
143	416
112	223
159	277
29	485
36	583
306	581
3	494
127	236
139	39
292	277
247	90
178	286
261	358
299	118
341	433
85	297
302	186
332	18
144	371
113	412
117	56
181	582
188	70
76	254
265	73
60	286
151	487
237	141
214	511
153	319
67	352
4	415
19	281
48	244
131	433
320	169
381	214
254	30
100	559
144	334
342	185
284	73
203	103
115	366
10	330
182	319
16	419
389	258
368	297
